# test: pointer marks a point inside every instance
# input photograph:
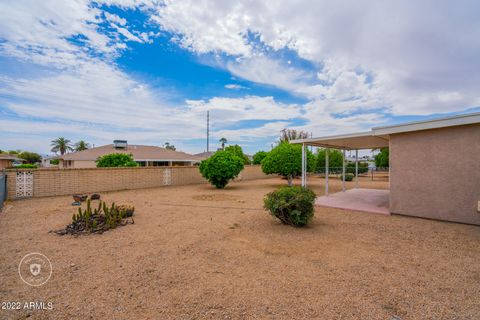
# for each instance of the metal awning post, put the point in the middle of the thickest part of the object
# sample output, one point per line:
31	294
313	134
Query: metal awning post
343	171
356	168
303	165
326	170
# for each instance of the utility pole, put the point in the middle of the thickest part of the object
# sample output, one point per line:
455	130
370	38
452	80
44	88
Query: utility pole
208	131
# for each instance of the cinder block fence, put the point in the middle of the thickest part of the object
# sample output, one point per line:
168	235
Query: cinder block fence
26	183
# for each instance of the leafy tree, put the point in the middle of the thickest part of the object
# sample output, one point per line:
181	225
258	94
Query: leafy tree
259	156
14	152
221	167
237	150
30	157
61	145
169	146
116	160
286	160
55	162
81	145
335	158
223	141
382	159
292	134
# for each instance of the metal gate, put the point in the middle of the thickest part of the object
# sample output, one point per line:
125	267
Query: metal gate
3	189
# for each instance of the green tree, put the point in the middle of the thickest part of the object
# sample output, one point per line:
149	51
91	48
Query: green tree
223	141
14	152
61	145
116	160
335	158
221	167
30	157
237	150
81	145
286	160
259	156
382	159
169	146
292	134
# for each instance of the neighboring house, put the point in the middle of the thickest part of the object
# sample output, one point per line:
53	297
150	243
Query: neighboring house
204	155
46	161
145	156
6	160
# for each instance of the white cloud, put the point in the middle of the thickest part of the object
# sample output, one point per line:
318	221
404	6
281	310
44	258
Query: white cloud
417	52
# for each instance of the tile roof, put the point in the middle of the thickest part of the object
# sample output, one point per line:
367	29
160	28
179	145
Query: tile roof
139	153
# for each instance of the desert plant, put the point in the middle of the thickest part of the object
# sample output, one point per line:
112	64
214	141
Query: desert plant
98	219
221	167
286	160
259	156
291	205
116	160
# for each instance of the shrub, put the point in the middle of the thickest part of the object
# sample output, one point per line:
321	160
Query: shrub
291	205
116	160
221	167
27	166
286	160
362	167
237	150
259	156
348	177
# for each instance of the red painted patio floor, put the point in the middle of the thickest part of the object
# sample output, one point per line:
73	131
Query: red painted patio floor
367	200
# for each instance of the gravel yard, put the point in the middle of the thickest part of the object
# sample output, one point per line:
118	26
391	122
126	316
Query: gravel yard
195	252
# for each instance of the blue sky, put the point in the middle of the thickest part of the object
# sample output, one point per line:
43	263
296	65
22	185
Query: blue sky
148	71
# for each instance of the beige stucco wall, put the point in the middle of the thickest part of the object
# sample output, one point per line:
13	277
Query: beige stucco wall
54	182
436	173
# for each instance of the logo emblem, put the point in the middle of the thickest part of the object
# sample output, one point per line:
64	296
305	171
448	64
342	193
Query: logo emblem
35	269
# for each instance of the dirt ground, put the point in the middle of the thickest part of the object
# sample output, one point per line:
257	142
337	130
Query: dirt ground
195	252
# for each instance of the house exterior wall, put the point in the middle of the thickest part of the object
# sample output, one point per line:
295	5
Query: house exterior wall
55	182
5	163
436	173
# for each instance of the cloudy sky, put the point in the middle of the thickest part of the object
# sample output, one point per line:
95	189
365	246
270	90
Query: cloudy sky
148	71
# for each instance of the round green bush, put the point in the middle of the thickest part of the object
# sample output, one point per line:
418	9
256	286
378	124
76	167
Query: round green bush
291	205
286	160
259	156
221	167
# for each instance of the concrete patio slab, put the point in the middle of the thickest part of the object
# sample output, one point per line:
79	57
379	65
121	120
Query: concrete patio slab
368	200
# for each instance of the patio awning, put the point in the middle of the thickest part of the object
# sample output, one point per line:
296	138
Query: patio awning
354	141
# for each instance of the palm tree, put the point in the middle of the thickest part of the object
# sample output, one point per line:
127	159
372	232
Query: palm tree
81	145
61	145
169	146
223	141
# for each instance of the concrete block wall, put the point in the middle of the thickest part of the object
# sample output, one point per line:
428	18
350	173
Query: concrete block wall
55	182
